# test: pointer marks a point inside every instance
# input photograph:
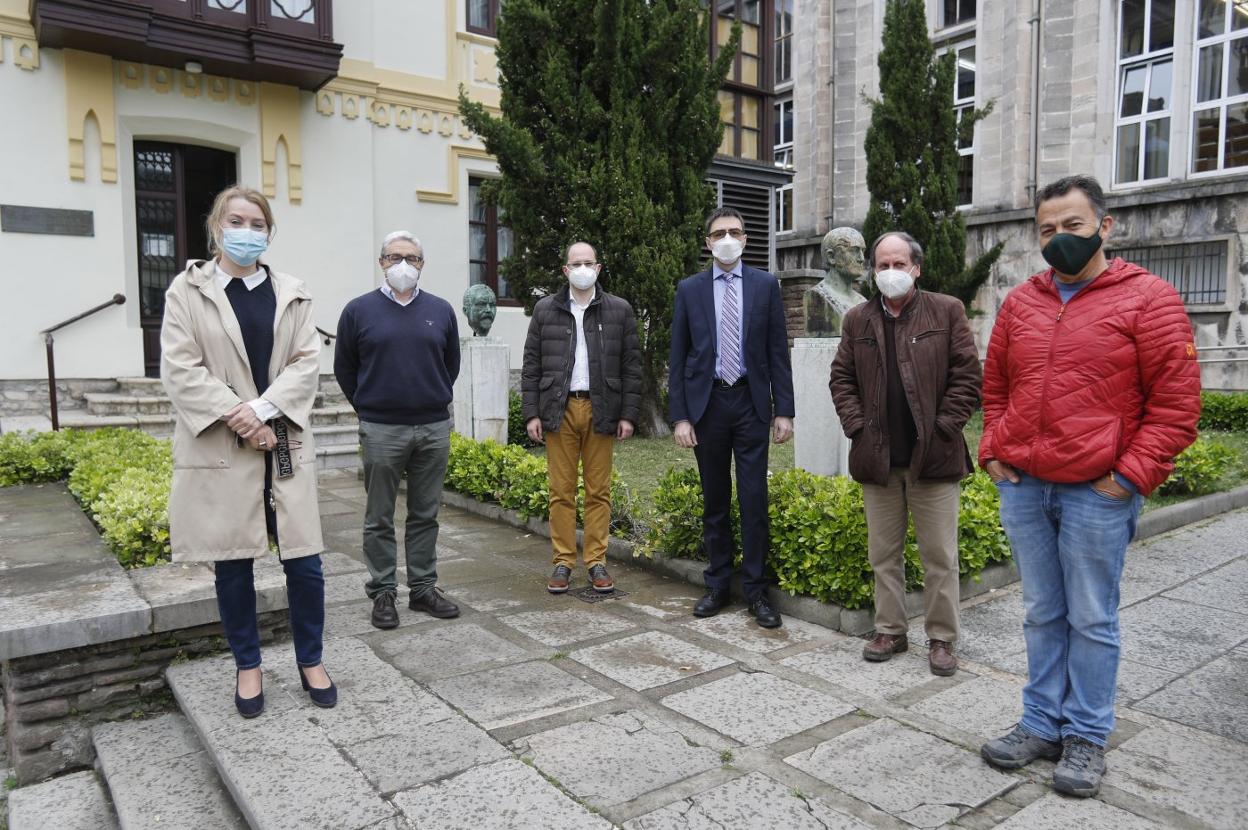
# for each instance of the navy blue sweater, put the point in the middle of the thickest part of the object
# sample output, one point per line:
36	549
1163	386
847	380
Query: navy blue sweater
397	364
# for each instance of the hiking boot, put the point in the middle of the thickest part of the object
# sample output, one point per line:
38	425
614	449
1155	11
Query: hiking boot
601	580
384	613
434	603
1081	769
766	616
940	658
712	602
1018	749
558	582
884	646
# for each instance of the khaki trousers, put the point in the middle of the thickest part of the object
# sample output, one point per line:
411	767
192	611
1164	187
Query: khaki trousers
576	442
934	507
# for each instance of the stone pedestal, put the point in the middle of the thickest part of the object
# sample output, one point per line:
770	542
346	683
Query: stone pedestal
481	390
819	444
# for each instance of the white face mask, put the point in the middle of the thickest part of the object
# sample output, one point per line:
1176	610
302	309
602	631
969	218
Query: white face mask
402	277
583	277
727	250
894	283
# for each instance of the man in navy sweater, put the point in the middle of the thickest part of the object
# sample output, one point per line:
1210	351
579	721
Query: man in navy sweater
396	359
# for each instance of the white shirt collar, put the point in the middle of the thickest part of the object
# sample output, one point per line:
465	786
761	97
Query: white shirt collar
717	271
572	298
251	280
389	292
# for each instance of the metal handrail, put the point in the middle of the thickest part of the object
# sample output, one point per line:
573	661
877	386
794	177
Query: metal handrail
118	299
1220	348
328	337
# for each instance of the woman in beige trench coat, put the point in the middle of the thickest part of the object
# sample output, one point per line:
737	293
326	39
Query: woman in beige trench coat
239	359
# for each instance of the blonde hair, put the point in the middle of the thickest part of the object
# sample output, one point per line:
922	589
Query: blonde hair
219	205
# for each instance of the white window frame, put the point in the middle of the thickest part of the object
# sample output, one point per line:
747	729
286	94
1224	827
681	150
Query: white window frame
1147	60
955	28
1221	103
955	44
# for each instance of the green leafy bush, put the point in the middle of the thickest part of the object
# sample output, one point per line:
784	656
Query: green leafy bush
1224	410
517	435
676	524
1198	468
120	477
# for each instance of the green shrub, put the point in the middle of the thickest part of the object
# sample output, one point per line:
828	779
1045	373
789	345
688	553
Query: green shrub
1198	468
35	458
1224	410
676	524
517	435
133	515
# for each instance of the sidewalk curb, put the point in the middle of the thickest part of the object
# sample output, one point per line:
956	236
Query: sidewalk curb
1174	516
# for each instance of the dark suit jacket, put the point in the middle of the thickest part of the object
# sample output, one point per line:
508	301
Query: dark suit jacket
691	369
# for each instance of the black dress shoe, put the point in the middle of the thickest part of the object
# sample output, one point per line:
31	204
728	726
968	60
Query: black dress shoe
248	707
711	603
324	698
766	616
384	613
434	603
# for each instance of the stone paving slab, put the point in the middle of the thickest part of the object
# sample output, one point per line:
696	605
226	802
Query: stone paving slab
756	708
72	547
643	661
993	628
71	802
1136	680
841	663
1055	812
751	801
982	706
428	652
561	628
514	694
616	758
502	795
179	792
1178	636
740	630
916	777
394	763
1190	771
1162	562
1225	587
1214	698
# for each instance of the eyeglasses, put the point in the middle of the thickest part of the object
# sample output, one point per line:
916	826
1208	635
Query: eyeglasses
735	233
589	262
395	259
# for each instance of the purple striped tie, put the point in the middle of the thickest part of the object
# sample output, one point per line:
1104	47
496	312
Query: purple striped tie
729	334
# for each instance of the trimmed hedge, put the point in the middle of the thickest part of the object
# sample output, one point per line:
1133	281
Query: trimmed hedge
1198	469
1224	410
819	532
121	478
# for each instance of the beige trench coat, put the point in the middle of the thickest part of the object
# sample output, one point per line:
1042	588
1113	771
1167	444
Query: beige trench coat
216	508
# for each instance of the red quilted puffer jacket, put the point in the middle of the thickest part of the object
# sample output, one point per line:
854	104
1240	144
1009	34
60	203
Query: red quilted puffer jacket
1108	381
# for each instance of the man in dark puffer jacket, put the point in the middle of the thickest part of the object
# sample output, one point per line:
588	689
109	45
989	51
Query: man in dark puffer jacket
581	384
1091	389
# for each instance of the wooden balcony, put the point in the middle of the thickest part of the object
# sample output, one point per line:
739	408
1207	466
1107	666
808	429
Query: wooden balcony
283	41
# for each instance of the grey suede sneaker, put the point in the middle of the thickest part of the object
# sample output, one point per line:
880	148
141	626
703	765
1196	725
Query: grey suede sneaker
1018	749
1081	769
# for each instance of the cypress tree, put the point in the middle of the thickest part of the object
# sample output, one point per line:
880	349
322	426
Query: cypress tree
610	119
912	153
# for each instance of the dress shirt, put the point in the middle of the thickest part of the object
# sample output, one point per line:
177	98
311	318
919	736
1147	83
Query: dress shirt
389	292
580	365
720	284
264	410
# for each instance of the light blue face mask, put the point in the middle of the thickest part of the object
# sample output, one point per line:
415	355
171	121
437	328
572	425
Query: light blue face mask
243	245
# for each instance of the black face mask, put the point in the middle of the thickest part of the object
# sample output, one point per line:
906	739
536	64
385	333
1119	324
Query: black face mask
1069	254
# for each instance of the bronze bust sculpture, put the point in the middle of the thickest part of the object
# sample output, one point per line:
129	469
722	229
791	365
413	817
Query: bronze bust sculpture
826	303
480	308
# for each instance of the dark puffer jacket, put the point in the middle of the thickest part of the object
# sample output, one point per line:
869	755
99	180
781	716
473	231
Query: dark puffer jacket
614	361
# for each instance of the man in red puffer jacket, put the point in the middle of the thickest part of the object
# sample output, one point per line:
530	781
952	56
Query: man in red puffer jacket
1091	388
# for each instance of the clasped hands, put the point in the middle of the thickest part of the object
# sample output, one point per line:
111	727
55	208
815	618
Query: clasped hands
686	438
243	421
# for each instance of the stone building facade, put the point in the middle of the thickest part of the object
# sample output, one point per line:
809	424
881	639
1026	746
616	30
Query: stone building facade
1149	96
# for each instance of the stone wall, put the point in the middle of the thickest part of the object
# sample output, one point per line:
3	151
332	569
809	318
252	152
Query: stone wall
51	701
30	397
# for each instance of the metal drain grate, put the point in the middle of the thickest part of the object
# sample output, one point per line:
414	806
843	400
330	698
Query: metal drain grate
588	594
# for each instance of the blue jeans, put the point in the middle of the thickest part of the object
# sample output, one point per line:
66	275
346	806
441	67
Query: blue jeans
1069	543
305	597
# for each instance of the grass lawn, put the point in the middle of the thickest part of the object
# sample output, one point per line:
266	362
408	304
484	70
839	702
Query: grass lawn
642	461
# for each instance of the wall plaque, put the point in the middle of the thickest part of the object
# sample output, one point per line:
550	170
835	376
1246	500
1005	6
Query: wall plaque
27	219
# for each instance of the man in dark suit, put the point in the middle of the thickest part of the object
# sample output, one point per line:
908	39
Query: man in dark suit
729	367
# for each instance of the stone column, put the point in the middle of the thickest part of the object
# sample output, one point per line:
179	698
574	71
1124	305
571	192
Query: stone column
819	443
480	405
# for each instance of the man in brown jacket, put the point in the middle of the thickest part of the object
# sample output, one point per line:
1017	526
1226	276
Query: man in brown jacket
905	379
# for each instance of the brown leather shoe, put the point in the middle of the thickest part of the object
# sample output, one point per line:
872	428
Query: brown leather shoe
884	646
558	582
940	658
601	580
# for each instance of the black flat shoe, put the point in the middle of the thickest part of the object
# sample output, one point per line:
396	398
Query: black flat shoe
434	603
766	616
248	707
324	698
711	603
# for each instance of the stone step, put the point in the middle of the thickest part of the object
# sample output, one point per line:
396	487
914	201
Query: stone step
332	435
282	768
140	387
71	802
108	403
337	414
159	776
338	457
337	424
